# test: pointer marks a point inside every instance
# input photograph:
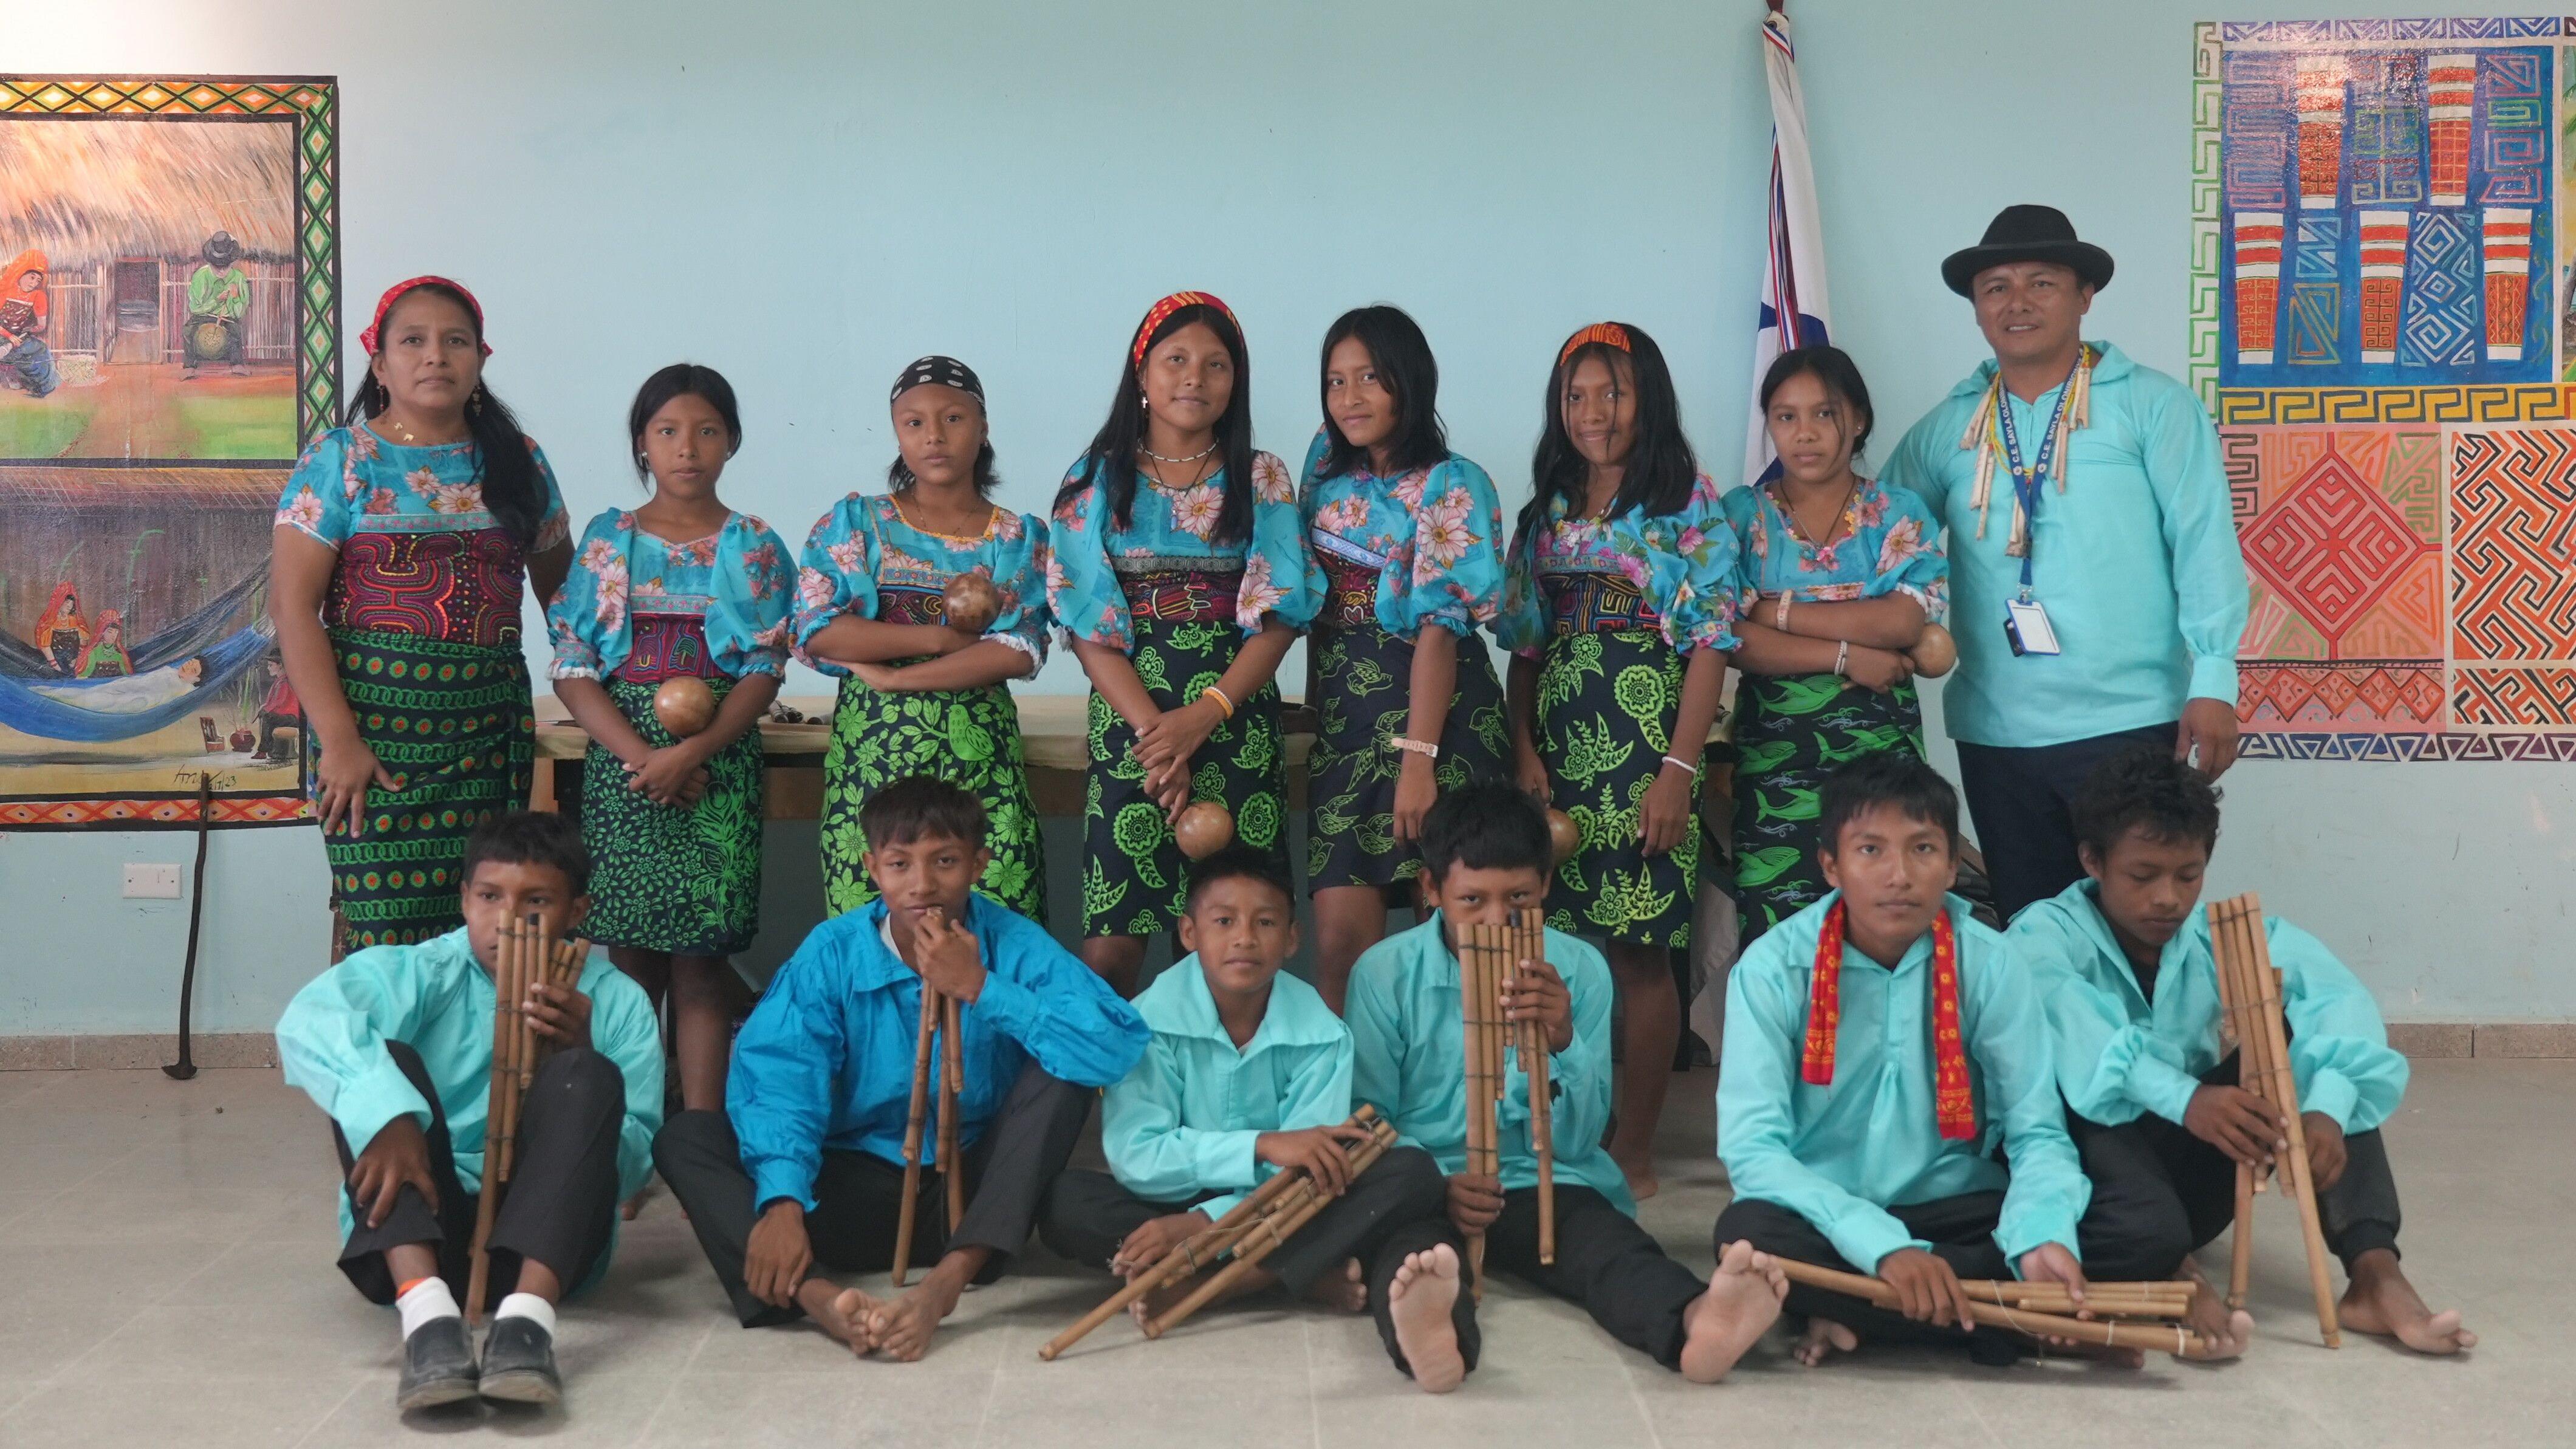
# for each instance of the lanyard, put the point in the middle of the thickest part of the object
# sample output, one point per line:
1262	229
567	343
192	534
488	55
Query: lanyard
2026	482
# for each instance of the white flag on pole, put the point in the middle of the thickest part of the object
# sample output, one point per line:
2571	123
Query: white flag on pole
1794	313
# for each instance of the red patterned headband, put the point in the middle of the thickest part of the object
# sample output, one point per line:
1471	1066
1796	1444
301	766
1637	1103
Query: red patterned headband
1608	334
1165	308
394	293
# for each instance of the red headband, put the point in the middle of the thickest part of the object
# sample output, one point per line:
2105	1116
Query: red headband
1165	308
1609	334
394	293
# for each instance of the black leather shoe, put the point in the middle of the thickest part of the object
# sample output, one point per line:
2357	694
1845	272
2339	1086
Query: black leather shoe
438	1366
519	1363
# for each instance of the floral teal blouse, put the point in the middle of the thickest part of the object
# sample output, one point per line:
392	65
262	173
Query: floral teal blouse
1177	528
1433	538
735	581
1887	543
865	558
1683	565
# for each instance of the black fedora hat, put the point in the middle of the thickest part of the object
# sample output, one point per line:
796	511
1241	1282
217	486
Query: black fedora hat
221	250
2028	234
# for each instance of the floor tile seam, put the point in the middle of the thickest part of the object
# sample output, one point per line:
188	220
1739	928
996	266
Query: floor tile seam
671	1384
331	1413
1314	1399
1637	1397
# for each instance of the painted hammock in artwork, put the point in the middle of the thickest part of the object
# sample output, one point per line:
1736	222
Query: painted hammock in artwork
36	700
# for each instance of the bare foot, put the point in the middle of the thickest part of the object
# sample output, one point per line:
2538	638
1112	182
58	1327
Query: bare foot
1824	1339
2224	1331
1642	1183
1741	1304
1419	1302
842	1314
2382	1303
902	1330
1343	1292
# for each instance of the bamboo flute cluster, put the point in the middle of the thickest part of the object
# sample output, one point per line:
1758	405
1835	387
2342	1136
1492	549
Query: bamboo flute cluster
1269	1216
1489	963
940	1016
2159	1338
525	955
2155	1298
2249	994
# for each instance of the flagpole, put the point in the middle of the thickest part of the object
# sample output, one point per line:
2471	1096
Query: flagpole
1794	312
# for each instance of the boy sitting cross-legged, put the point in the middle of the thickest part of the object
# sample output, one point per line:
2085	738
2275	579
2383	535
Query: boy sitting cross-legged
803	1170
395	1045
1484	856
1877	1045
2124	960
1250	1075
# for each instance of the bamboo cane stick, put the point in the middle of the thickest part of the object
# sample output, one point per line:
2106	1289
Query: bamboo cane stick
952	1083
2285	1095
2175	1340
1291	1214
478	1276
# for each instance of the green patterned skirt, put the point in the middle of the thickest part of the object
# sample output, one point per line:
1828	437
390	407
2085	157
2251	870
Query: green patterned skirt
1791	731
1134	878
1606	703
665	878
453	725
967	737
1364	677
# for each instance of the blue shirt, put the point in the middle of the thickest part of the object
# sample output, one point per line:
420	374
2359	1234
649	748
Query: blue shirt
2120	1054
1183	1123
2135	560
1841	1155
826	1058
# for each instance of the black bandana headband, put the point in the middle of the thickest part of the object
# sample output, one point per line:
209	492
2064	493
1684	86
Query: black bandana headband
945	371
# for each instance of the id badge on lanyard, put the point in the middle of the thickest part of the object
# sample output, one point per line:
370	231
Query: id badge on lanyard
2026	625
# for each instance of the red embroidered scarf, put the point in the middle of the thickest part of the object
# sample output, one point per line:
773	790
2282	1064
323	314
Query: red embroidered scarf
1953	1104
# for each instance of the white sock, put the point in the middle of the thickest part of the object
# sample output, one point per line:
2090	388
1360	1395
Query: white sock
529	1306
427	1300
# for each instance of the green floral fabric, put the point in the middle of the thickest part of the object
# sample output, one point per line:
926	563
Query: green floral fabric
1364	698
664	878
1791	731
1606	703
968	737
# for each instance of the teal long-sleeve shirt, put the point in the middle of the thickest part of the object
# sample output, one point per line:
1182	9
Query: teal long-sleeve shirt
437	999
1410	1061
1184	1121
1841	1155
2136	562
826	1058
2120	1054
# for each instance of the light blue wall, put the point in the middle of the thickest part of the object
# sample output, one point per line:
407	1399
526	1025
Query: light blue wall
809	195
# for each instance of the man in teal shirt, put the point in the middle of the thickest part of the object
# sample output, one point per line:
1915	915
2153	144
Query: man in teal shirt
2098	590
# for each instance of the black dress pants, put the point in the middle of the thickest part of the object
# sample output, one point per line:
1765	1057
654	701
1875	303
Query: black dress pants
559	1207
858	1197
2022	800
1960	1229
1604	1261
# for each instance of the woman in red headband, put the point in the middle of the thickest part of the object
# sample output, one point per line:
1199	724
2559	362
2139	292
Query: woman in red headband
1179	573
403	543
1619	611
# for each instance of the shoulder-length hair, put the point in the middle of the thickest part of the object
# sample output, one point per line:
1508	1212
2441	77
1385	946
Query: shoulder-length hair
1661	467
1410	375
1111	459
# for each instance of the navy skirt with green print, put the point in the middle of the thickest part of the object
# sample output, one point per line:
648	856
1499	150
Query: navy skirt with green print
1364	698
1135	880
1791	731
1609	686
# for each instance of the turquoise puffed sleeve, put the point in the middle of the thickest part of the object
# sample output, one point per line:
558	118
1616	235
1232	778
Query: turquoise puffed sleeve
1275	565
1456	579
588	621
1910	558
1521	623
2339	1053
316	500
1019	568
2009	1043
1310	501
554	526
1082	589
835	575
331	1041
1691	563
747	621
1743	508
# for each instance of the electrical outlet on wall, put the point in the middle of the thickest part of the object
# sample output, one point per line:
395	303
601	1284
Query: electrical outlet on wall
151	882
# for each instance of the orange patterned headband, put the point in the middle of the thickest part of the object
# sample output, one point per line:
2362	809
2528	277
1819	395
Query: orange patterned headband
1165	308
1609	334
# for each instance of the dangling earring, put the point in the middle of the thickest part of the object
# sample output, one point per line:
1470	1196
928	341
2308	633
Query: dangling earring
1144	403
476	401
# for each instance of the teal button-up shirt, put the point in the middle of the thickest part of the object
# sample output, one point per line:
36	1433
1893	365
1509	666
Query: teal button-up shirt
2136	562
1841	1155
1182	1123
2120	1054
1411	1061
437	999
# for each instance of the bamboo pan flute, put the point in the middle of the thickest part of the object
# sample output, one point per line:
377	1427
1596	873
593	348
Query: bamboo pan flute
2249	994
524	956
1489	960
1250	1230
2160	1338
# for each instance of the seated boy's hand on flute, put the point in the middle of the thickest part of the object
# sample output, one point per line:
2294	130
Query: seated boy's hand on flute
952	963
1927	1289
2325	1149
560	1014
1537	993
1475	1200
1322	1152
779	1255
1155	1240
2238	1123
398	1155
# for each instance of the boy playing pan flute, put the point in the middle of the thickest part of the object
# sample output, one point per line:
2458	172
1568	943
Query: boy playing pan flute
1484	856
395	1045
1877	1044
2125	964
1249	1075
802	1171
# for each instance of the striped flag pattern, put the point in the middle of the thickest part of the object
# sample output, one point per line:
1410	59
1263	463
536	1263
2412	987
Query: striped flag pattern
1793	313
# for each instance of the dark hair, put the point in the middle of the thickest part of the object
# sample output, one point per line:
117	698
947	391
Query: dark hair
1484	825
2148	790
1833	368
899	473
1661	467
1896	778
1410	375
529	837
1111	459
505	462
922	805
681	379
1242	862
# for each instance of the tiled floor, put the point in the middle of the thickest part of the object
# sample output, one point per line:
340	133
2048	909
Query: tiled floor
165	1277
